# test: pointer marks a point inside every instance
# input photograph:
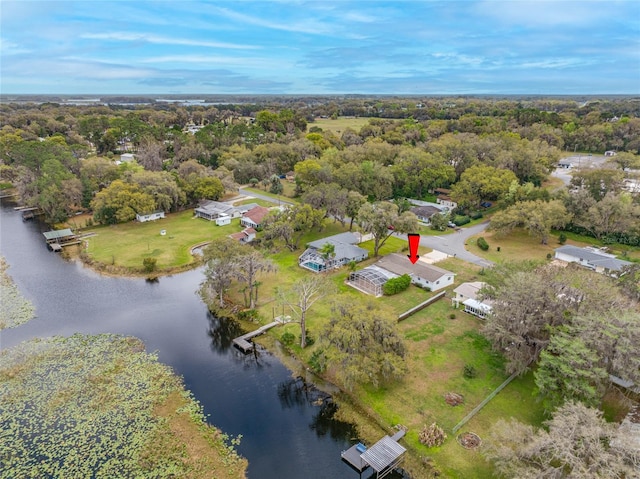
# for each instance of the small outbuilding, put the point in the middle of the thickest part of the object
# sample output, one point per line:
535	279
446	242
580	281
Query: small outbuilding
223	219
156	215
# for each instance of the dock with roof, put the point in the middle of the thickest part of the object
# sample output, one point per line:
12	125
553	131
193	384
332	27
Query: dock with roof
383	457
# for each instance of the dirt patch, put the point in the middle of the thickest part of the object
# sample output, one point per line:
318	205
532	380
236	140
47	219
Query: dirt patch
454	399
469	440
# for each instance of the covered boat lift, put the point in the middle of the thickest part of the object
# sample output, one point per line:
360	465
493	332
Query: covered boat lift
383	457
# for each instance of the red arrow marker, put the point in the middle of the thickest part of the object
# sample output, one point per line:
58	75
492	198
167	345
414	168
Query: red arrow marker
414	242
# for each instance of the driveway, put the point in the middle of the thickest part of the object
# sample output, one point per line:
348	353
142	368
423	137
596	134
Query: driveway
278	201
454	244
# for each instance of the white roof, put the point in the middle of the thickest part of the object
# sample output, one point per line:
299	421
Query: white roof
383	453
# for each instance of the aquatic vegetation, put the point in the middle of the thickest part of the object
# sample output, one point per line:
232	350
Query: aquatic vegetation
100	406
15	309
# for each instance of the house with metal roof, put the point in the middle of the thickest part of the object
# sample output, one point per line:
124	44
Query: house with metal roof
591	258
344	251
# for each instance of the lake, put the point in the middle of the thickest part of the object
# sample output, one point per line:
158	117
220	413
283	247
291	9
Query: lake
286	432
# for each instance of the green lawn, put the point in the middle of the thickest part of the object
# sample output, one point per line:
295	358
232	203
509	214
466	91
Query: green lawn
340	124
438	349
127	244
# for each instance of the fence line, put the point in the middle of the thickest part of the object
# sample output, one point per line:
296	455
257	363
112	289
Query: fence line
483	403
422	305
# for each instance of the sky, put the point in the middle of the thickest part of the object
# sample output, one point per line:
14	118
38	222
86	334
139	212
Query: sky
421	47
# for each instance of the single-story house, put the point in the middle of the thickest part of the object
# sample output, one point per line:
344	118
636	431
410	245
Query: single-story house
345	251
422	274
424	213
290	176
591	258
223	219
156	215
446	201
370	280
254	217
247	235
467	295
210	210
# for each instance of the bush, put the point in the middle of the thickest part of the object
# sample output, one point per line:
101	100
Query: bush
562	239
396	285
482	244
309	339
149	264
476	215
460	220
452	316
287	338
247	315
318	361
469	371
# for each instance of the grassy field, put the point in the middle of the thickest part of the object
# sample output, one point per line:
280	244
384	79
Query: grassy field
126	245
519	245
340	124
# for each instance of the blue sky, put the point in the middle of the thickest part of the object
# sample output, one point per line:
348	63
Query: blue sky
320	47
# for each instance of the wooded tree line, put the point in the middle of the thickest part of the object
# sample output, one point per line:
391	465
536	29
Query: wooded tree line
387	158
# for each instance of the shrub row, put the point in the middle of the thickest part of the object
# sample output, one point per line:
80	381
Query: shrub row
396	285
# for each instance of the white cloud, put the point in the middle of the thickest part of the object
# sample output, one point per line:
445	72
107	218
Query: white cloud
158	39
309	26
547	13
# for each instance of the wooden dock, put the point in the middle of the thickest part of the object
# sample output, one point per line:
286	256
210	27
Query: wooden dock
383	457
243	342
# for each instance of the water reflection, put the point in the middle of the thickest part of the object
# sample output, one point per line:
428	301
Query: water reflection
296	392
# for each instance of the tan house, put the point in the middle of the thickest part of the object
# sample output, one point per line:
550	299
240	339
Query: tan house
467	295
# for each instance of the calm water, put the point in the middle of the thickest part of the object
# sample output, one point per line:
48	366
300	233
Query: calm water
285	435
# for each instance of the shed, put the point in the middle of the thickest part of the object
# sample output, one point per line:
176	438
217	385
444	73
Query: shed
223	219
156	215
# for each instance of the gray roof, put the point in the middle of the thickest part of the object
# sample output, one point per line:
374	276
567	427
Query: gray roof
56	234
604	260
340	238
383	453
425	211
470	290
400	264
215	207
344	246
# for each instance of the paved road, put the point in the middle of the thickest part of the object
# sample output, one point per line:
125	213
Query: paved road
454	244
279	201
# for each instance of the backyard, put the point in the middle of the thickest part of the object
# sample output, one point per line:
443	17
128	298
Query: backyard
438	346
